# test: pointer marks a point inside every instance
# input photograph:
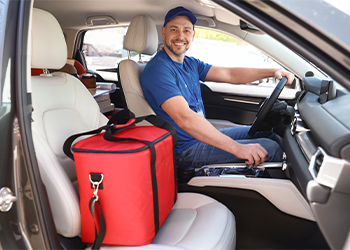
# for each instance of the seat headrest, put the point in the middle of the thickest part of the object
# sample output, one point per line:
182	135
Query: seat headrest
142	36
49	49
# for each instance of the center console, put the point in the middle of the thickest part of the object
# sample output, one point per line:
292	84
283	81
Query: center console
268	179
265	170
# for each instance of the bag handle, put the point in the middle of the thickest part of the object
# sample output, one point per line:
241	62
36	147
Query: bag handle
68	143
152	119
121	117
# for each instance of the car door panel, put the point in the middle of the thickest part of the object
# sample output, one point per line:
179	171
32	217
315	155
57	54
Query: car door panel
234	108
238	103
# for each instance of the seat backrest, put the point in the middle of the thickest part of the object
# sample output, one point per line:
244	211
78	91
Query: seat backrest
62	106
141	37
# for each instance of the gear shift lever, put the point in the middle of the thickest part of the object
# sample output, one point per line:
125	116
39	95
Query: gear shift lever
247	170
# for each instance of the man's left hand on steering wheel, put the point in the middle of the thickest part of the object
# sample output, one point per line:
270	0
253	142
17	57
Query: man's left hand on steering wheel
286	78
281	72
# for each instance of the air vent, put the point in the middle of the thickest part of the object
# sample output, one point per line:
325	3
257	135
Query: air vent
316	163
326	169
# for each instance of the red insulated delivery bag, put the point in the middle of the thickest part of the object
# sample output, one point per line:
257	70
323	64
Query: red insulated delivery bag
127	180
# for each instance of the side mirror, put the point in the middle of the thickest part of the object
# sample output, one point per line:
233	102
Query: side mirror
249	28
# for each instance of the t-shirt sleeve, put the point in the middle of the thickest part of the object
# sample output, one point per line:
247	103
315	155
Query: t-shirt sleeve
160	82
203	69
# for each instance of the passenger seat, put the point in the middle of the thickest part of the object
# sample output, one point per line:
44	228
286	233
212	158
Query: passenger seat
62	107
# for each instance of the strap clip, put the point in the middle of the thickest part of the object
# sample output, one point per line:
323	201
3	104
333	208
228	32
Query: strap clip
95	185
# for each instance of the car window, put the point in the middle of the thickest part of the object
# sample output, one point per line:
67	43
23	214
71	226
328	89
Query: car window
5	92
220	49
103	48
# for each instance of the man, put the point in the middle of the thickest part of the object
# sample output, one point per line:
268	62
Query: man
170	82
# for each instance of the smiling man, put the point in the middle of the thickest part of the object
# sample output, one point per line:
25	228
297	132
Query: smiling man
171	84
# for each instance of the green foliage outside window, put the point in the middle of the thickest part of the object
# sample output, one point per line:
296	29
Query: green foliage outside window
218	36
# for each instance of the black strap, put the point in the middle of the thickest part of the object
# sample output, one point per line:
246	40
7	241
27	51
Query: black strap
121	117
158	122
108	136
68	143
102	232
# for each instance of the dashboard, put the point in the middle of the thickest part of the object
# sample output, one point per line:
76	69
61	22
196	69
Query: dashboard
317	145
321	125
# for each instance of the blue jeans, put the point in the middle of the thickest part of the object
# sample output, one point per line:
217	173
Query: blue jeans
201	154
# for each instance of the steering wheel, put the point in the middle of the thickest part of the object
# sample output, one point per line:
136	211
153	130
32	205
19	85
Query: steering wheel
266	106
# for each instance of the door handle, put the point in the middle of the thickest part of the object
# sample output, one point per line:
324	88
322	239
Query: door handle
6	199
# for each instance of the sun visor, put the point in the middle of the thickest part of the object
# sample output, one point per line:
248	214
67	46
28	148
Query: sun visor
226	16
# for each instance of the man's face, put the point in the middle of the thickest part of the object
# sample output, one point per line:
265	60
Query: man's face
178	35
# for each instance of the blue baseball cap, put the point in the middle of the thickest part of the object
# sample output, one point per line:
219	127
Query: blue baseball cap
180	11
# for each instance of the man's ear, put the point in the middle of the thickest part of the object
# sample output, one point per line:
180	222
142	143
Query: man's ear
194	33
163	32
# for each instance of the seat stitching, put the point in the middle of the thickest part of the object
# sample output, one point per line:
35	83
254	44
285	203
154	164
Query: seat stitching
194	220
225	235
188	227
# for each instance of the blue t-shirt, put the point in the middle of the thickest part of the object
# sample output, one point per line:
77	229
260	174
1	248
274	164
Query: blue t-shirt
164	78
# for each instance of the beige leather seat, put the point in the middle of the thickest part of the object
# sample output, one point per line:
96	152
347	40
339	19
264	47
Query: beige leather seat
62	107
141	37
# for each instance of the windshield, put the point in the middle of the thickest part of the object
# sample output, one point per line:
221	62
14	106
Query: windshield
342	5
331	17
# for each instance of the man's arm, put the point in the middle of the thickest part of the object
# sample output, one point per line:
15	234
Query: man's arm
245	75
198	127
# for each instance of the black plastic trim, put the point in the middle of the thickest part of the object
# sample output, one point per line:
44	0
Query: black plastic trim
298	167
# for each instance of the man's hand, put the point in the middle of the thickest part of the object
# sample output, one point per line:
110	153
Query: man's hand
281	72
253	153
197	126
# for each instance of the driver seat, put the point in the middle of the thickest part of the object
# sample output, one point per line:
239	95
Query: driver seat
62	107
141	37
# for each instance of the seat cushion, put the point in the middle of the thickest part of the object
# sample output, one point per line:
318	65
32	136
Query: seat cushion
195	222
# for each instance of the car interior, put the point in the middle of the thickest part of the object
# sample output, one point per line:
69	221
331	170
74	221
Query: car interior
300	203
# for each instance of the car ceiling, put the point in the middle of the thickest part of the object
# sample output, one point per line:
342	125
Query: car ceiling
72	14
